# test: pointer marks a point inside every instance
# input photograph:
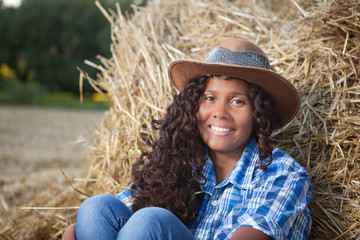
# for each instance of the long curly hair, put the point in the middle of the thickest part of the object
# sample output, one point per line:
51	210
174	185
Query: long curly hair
265	117
171	173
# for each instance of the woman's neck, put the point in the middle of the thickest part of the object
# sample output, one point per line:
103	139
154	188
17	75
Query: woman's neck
224	163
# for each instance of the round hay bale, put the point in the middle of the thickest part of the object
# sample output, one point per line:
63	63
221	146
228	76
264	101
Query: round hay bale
315	44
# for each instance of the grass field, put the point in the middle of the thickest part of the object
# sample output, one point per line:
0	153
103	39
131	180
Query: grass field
58	100
30	139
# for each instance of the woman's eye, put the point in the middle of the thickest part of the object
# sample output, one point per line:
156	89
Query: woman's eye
237	101
209	98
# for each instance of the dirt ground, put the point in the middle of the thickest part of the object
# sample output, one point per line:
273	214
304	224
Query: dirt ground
30	139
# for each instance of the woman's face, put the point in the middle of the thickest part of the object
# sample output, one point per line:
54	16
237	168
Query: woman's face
225	116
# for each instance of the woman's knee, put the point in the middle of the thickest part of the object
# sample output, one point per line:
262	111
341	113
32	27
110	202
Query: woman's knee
103	204
152	215
157	223
105	212
101	208
150	218
94	207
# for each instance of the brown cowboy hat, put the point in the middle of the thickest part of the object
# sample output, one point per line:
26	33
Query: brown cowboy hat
241	59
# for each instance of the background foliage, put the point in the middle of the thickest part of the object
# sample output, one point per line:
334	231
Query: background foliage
42	42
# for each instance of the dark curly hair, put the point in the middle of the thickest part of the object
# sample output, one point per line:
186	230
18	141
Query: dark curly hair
265	117
170	175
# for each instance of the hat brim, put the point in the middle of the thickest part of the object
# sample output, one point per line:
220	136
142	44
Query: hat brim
279	88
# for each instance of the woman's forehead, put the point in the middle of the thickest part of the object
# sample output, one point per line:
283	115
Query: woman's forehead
218	83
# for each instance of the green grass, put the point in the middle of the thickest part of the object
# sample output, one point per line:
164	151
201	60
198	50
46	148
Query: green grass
62	100
67	100
2	96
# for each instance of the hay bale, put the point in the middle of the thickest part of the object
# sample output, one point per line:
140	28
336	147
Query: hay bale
315	44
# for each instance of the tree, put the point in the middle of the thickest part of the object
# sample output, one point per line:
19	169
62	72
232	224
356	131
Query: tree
60	35
44	41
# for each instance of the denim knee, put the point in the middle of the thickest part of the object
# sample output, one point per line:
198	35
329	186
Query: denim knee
101	215
155	223
101	206
151	215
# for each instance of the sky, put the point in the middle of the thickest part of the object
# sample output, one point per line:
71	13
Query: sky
12	2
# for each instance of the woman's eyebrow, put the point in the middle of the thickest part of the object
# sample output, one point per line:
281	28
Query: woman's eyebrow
232	93
240	93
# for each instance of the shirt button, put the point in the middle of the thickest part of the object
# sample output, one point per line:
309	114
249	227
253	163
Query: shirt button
201	235
214	203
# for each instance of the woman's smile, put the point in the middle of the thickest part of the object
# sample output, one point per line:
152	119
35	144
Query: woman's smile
221	130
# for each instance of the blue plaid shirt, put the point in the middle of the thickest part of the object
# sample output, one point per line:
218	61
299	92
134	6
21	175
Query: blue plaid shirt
273	201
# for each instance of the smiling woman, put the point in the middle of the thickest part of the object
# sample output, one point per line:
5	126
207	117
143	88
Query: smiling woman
211	173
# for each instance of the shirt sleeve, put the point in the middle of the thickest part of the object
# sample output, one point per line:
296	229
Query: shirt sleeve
278	207
125	197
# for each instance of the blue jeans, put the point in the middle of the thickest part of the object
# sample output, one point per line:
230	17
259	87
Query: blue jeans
106	217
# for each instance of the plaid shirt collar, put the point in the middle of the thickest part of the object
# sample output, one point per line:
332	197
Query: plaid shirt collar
242	174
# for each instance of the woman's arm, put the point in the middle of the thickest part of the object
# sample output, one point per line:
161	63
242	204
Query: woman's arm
69	233
249	233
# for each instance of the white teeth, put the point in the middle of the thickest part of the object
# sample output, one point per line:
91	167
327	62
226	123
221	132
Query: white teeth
219	129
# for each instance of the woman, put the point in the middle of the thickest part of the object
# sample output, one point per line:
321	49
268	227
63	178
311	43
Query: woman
212	174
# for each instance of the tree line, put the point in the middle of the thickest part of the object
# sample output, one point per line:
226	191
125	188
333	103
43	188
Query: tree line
44	41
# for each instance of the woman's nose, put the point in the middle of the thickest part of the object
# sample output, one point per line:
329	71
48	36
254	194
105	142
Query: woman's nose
221	111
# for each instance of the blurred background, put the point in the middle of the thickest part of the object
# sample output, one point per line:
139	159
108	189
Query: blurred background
42	43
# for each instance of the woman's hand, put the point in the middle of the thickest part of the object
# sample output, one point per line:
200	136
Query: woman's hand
249	233
69	233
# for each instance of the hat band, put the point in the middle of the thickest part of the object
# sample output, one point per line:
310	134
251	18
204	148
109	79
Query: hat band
240	58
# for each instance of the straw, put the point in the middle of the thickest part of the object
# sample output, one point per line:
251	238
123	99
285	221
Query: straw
314	44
